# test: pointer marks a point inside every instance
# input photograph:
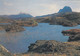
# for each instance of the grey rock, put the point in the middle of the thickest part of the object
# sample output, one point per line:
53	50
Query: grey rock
51	47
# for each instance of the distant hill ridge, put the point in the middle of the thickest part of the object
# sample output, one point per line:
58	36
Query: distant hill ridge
21	15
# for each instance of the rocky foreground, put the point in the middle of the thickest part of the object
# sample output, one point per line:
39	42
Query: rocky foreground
52	48
48	48
55	48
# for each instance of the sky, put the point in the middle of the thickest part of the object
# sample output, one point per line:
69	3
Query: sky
36	7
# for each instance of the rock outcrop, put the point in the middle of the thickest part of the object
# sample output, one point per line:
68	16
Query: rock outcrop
71	32
74	38
74	34
51	47
13	28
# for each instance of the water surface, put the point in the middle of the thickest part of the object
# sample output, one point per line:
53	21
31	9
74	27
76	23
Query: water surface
19	42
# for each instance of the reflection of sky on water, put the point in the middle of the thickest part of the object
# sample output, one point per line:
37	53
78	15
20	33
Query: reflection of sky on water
19	42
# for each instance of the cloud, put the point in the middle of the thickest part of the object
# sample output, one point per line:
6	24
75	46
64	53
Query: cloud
50	7
77	10
8	4
43	9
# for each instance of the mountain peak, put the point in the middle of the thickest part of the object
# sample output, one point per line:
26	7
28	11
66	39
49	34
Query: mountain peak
65	9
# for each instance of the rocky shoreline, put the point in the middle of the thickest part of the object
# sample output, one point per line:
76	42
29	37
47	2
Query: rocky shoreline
74	34
65	19
48	48
17	26
53	48
11	28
